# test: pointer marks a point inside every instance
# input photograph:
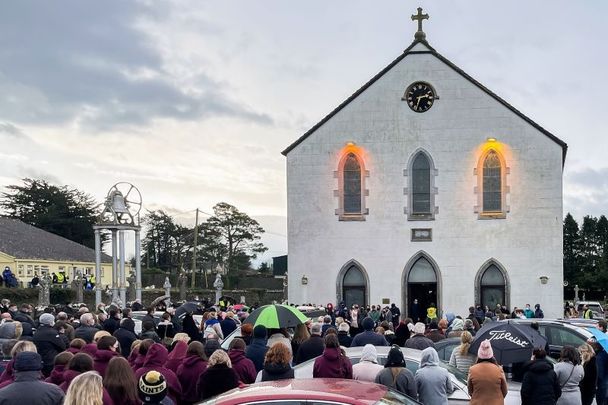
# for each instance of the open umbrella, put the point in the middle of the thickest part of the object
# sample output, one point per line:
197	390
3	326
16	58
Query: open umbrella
276	316
511	343
600	336
191	306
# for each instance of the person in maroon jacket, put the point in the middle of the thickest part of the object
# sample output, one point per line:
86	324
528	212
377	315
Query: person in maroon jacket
332	363
188	373
156	360
243	367
107	349
177	355
78	364
61	362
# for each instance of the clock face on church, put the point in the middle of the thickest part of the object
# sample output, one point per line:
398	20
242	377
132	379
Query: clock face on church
420	97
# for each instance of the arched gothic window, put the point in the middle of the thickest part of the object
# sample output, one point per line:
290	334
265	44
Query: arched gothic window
421	185
492	287
492	183
352	185
491	187
351	188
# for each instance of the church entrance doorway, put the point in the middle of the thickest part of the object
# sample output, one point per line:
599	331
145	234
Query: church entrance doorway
421	289
354	287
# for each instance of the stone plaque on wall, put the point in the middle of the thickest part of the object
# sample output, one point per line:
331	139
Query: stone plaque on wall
422	234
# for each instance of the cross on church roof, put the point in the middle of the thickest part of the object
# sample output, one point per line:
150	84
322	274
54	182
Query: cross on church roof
420	35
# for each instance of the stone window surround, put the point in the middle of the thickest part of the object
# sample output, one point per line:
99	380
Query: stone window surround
478	190
339	193
505	275
433	190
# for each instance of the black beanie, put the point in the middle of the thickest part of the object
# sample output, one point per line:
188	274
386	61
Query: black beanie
28	361
395	358
152	387
259	332
368	323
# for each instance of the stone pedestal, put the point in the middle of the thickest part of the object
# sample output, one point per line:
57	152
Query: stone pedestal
77	285
218	284
44	293
167	287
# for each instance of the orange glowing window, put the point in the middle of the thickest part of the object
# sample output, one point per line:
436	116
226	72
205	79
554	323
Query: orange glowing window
352	185
492	183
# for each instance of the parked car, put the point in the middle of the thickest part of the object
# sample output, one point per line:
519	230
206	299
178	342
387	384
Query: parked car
595	307
137	317
445	347
412	362
558	333
318	391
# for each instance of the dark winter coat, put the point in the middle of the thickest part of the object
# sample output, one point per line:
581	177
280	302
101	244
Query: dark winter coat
435	335
589	382
310	349
368	337
29	389
24	318
419	342
49	344
228	326
56	376
125	338
344	339
256	352
177	355
85	332
273	372
111	325
188	374
402	333
102	359
540	385
243	367
332	364
217	380
156	360
150	334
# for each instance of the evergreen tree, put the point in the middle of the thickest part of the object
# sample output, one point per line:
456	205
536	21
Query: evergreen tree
572	246
590	252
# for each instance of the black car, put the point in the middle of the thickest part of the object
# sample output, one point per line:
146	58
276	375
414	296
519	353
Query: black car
445	347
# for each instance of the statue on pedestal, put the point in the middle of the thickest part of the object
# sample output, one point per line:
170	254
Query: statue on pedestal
167	287
77	285
219	286
131	291
44	294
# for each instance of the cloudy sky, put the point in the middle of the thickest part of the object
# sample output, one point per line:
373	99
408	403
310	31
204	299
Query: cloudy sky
193	101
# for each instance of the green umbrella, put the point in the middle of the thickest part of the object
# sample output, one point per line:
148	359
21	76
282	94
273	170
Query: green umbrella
276	316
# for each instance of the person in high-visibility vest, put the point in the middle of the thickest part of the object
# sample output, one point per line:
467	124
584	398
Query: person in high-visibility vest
587	313
60	278
92	280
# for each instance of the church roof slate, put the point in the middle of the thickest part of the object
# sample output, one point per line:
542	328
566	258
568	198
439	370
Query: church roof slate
409	51
24	241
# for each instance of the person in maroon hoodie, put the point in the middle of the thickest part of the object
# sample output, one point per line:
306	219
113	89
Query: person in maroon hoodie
142	352
76	345
120	382
107	349
332	363
156	358
188	373
243	367
78	364
134	352
60	363
177	355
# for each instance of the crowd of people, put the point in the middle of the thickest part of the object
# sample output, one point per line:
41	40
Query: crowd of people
95	357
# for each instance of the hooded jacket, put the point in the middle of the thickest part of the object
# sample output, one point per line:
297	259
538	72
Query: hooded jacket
9	372
125	336
540	385
256	352
101	360
419	342
156	358
368	368
29	389
433	383
243	367
332	364
217	380
177	355
56	376
188	373
274	372
310	349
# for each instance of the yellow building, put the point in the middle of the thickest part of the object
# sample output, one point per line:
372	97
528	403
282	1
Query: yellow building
28	250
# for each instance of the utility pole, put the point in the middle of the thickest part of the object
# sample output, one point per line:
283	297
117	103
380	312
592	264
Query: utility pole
192	285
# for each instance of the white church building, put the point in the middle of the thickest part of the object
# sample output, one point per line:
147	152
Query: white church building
424	184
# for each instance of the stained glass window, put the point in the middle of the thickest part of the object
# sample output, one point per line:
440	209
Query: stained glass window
421	185
352	185
492	183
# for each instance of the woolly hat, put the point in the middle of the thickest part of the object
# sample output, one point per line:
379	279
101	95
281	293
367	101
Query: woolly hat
368	323
211	345
485	350
419	328
152	387
259	332
395	358
47	319
28	361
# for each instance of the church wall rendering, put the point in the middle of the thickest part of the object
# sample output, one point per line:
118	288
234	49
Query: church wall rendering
459	238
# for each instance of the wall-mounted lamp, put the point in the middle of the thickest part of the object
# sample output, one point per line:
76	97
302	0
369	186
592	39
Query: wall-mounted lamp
491	139
304	280
544	279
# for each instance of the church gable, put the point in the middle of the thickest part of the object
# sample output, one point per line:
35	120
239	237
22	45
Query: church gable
421	47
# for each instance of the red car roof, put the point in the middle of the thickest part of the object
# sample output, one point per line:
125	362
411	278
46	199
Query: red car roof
349	391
